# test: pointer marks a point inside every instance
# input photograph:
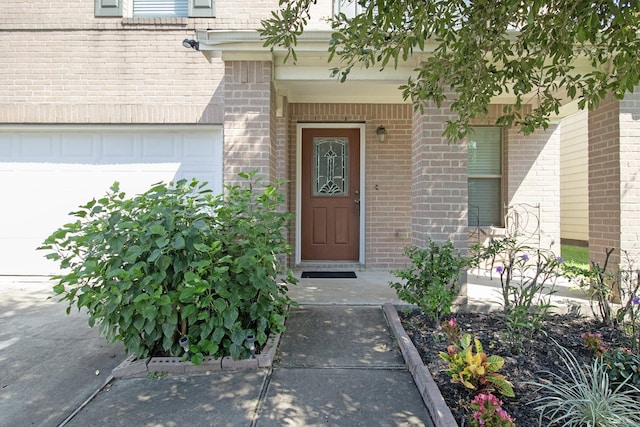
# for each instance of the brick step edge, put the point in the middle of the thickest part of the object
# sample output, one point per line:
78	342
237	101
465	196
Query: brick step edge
440	413
132	367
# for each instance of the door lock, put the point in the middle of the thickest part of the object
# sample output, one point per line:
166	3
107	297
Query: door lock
357	201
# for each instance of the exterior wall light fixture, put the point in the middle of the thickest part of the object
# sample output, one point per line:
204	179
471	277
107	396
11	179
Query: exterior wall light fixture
382	133
190	43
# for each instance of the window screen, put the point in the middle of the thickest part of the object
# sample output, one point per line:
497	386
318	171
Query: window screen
484	163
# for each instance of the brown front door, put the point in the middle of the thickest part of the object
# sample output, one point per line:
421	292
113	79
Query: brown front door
330	194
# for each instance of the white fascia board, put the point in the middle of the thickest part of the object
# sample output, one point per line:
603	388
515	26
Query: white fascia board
322	71
247	45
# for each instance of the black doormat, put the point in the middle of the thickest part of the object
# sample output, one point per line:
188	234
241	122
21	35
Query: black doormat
328	275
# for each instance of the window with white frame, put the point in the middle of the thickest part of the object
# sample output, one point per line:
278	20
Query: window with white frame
484	167
155	8
350	8
161	8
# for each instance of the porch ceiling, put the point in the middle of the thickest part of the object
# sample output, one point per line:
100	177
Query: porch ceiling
309	79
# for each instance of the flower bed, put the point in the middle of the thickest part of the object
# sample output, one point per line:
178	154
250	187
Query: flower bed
520	367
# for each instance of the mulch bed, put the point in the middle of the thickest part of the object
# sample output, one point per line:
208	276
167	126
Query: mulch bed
520	366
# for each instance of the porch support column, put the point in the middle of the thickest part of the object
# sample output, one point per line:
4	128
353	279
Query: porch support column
439	182
614	179
248	120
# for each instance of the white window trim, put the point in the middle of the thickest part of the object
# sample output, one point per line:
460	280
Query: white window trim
493	176
124	9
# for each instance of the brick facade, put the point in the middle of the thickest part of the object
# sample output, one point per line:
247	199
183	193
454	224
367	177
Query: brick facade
532	166
439	181
614	192
62	65
248	121
388	172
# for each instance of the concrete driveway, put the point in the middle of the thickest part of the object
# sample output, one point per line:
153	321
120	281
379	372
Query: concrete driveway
50	362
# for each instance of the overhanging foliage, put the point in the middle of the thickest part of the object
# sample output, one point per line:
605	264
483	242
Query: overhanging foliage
542	52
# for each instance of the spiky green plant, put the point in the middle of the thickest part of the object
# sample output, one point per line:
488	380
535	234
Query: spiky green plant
585	397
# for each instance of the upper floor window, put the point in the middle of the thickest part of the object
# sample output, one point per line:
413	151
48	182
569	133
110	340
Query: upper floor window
484	167
155	8
350	8
161	8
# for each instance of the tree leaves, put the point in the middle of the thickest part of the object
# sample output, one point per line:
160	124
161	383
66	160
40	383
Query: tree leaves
543	52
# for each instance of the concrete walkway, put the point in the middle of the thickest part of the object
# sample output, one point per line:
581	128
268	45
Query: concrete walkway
337	364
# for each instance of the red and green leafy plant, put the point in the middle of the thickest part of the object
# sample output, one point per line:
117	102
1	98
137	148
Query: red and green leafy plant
451	329
594	343
475	369
487	411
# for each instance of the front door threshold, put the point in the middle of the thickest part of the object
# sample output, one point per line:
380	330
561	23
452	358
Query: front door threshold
330	266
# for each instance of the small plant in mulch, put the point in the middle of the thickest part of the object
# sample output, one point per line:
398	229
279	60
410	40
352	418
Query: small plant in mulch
475	369
430	281
178	263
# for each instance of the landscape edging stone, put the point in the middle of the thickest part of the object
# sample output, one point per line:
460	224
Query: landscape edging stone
440	413
131	367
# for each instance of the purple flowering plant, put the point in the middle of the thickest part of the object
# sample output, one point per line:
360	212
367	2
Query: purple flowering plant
527	278
487	411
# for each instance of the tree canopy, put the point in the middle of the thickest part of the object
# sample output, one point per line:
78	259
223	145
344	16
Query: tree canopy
541	52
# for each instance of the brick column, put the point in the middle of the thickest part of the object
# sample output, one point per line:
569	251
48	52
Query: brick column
439	186
248	120
614	187
439	182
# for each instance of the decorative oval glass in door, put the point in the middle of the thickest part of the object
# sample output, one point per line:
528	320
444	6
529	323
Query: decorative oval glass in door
330	166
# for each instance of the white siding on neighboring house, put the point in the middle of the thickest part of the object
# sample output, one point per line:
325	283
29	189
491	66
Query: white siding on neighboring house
47	172
574	178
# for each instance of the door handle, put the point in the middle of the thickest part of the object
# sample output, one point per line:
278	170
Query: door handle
357	201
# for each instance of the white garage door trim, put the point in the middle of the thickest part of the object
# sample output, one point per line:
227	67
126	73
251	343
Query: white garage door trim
48	171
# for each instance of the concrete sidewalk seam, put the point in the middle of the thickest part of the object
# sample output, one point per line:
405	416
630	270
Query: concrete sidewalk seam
261	397
347	367
86	402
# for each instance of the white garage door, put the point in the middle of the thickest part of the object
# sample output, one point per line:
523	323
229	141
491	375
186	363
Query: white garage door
45	173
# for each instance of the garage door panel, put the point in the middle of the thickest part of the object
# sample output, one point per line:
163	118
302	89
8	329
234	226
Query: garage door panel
37	148
46	175
161	147
78	148
118	147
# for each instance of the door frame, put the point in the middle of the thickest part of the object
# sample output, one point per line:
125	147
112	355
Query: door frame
363	202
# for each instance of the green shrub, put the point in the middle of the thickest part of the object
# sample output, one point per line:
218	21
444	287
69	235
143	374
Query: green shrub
431	280
622	365
178	262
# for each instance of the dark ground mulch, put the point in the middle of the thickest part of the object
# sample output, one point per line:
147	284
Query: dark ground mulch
520	366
